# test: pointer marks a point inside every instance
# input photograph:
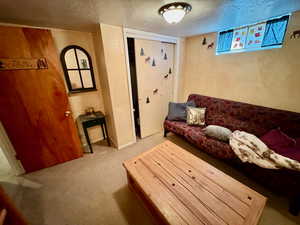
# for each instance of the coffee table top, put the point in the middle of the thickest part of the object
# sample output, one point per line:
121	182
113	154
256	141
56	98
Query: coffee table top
188	190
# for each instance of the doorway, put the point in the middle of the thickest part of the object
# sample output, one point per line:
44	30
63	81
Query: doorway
5	169
134	88
9	165
151	66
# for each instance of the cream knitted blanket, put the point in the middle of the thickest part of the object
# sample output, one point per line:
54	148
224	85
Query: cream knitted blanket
251	149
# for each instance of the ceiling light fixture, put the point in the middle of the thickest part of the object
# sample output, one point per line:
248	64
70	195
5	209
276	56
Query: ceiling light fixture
174	12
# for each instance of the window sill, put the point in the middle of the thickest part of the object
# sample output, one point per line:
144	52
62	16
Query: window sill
249	50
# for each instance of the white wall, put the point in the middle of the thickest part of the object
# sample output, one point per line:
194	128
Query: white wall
80	101
114	75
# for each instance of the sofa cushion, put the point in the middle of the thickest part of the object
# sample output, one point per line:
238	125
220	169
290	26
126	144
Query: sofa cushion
282	144
276	140
212	146
179	127
297	142
196	136
218	132
177	111
290	152
233	124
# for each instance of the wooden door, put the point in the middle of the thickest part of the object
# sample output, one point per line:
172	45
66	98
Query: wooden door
154	70
34	106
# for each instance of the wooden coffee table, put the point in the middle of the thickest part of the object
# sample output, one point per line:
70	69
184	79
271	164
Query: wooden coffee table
179	188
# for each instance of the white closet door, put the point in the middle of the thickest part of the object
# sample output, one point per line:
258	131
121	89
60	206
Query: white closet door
168	77
154	61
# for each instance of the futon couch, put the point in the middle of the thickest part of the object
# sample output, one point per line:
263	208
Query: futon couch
252	119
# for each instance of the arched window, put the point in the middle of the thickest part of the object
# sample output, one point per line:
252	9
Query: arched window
78	69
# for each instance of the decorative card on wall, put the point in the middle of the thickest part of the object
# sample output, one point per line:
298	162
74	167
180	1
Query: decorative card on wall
255	35
239	38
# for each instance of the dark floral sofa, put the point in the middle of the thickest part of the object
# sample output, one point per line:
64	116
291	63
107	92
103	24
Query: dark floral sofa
250	118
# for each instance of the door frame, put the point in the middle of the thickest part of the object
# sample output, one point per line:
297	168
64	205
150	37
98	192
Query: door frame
10	153
132	33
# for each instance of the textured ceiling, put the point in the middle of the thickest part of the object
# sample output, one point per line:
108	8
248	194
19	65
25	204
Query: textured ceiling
206	15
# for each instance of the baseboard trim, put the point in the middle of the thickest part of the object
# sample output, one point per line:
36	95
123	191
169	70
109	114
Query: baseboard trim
126	145
113	143
96	140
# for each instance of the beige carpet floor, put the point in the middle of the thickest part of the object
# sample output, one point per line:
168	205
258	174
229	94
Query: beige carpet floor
93	190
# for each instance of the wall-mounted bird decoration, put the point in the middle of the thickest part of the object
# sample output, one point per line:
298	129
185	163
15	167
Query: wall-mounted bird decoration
165	57
142	52
211	45
295	34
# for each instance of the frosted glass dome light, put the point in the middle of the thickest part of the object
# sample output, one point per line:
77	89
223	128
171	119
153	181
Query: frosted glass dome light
174	12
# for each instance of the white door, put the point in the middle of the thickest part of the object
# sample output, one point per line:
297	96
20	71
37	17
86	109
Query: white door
154	71
9	152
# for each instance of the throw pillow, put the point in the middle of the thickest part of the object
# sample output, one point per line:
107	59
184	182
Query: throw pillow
177	111
218	132
289	152
195	116
275	139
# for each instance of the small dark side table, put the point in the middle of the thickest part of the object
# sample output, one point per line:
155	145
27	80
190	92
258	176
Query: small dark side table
96	119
